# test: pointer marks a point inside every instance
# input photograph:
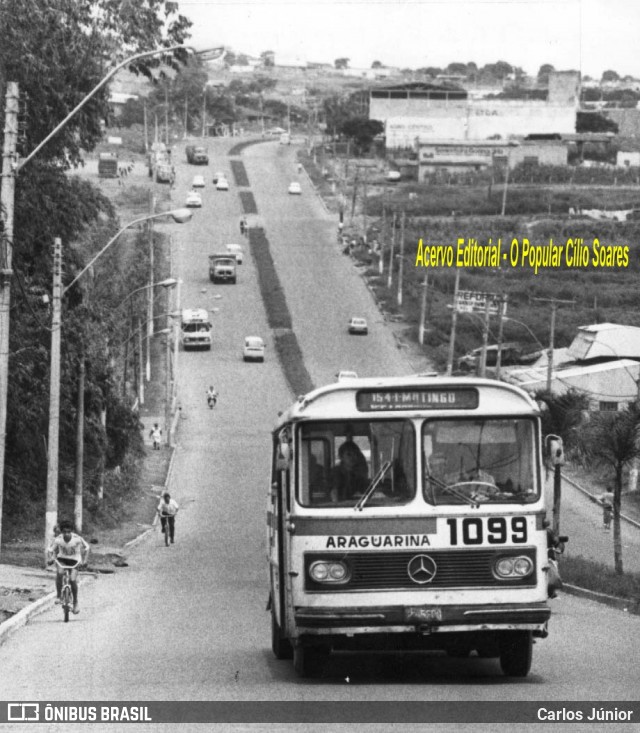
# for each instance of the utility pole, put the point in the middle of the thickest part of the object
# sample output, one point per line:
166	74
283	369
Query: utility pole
166	114
7	194
364	206
392	251
485	339
423	307
146	126
502	307
186	118
554	306
204	109
78	504
454	320
383	239
51	514
401	262
152	208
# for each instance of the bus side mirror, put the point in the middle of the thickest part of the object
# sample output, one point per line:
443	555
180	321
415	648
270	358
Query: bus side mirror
555	450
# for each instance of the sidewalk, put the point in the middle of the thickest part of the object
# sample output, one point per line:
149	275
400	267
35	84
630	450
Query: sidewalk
26	591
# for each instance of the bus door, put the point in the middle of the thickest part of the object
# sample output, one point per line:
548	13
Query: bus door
278	514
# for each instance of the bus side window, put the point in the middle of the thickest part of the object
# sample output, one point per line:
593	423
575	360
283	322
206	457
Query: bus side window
315	489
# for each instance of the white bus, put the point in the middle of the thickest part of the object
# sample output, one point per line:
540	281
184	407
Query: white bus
408	513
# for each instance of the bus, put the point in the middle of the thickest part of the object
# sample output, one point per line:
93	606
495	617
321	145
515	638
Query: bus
408	513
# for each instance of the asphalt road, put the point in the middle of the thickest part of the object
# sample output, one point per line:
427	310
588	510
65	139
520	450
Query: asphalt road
188	622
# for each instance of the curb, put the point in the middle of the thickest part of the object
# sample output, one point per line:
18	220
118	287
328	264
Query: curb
622	604
140	537
594	499
24	615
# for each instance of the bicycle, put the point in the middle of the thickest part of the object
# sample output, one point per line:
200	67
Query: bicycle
166	529
66	594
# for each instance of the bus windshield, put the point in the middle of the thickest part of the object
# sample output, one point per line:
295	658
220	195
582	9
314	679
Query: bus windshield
479	461
343	463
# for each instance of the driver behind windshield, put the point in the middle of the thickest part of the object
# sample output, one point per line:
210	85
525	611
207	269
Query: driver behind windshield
349	477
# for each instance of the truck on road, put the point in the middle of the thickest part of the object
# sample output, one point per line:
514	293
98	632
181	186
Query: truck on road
222	267
108	165
197	155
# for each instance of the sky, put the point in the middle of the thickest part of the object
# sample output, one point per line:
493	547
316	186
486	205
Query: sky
587	35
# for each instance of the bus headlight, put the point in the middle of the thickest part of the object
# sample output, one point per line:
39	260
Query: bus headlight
513	568
324	571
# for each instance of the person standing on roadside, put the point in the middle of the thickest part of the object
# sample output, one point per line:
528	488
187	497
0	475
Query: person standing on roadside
156	435
606	499
167	510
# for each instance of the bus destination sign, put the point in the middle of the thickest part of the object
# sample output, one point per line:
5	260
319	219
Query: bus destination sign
417	398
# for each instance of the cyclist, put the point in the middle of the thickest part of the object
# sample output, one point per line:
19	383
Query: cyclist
167	510
69	547
212	397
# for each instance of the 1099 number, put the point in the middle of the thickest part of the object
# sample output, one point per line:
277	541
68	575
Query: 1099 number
493	530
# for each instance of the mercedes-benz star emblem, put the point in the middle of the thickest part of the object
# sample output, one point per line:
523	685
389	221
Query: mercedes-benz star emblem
421	569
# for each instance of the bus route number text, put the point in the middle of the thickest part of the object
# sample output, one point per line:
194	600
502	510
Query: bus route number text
493	530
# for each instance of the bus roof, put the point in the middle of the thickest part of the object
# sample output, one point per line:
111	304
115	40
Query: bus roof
363	398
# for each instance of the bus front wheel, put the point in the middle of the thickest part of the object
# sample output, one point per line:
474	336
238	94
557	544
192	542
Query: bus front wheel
280	646
308	661
516	650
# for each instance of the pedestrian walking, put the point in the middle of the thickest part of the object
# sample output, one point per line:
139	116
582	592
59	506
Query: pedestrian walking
156	435
606	499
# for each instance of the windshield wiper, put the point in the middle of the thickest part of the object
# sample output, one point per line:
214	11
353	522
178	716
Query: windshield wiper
450	490
372	486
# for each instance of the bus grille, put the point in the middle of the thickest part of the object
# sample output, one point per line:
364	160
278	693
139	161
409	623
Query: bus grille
390	570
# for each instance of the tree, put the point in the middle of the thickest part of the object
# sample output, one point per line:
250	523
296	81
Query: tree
610	75
377	65
457	68
268	58
594	122
362	131
543	74
563	415
58	51
341	63
613	439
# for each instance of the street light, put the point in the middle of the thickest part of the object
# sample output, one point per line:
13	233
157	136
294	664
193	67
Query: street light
180	216
169	282
51	513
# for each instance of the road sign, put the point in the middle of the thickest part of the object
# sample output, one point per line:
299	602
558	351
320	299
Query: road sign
471	301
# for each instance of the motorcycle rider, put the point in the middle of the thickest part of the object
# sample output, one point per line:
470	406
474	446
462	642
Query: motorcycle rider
212	397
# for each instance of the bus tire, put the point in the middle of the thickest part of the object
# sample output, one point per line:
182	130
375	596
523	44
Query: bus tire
308	661
280	646
516	649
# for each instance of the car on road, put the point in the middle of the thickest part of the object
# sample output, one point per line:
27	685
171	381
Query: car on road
217	176
193	200
274	132
198	182
222	184
295	188
253	349
511	353
237	251
394	176
358	326
346	374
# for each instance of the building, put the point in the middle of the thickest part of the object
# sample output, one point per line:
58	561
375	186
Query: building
463	155
609	386
628	159
437	112
603	362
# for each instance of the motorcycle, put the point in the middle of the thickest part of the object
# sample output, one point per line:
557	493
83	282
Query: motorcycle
555	548
211	401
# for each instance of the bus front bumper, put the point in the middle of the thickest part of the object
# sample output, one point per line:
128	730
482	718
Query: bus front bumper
423	619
